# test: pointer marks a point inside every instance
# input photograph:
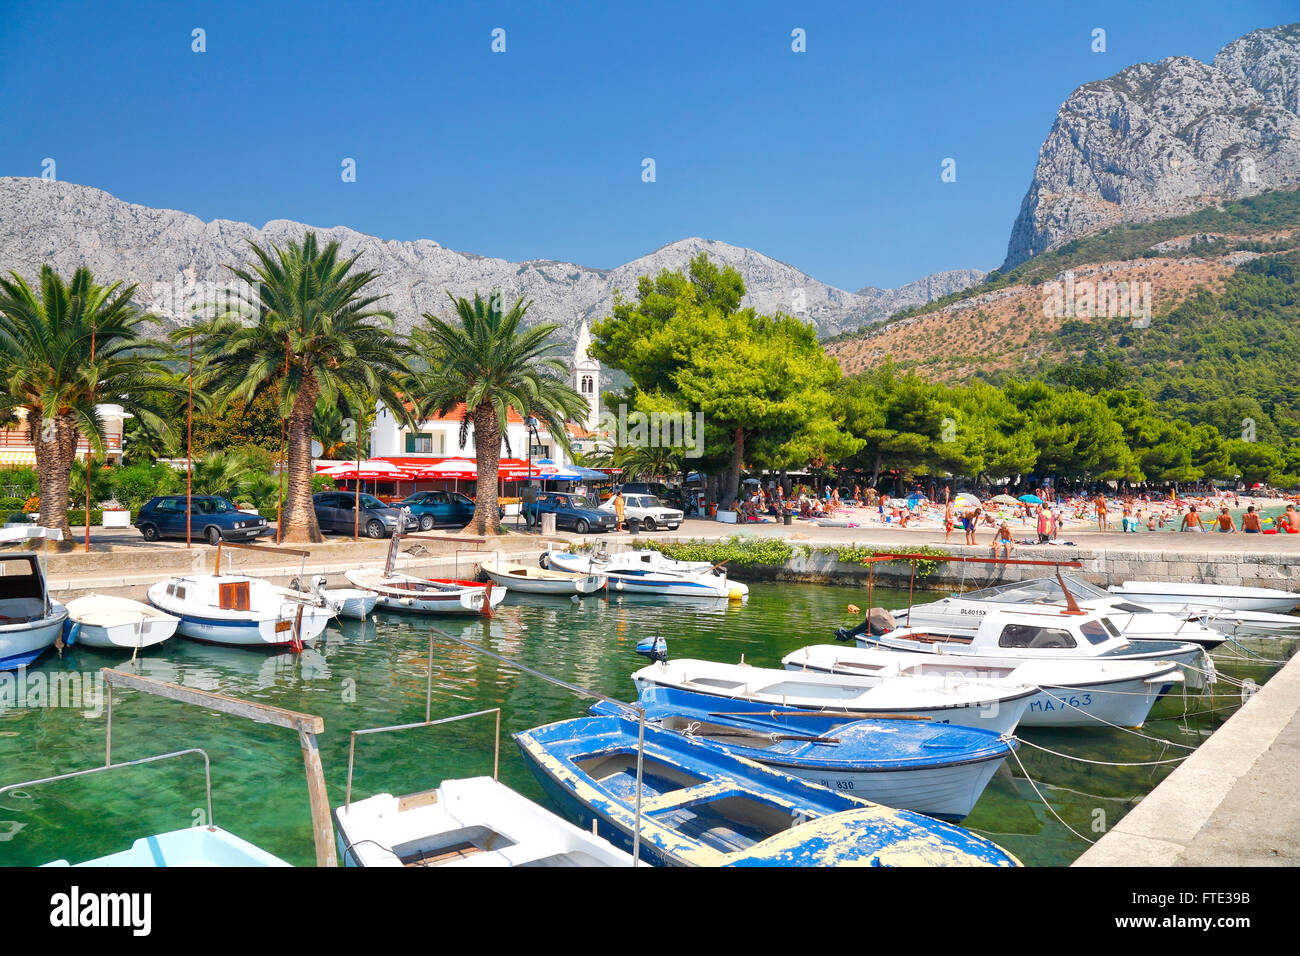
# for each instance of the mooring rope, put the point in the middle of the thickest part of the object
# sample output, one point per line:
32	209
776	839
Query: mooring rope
1050	808
1128	730
1105	763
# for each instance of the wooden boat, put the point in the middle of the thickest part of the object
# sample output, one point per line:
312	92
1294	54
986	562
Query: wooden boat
526	580
997	707
396	591
1086	693
649	572
30	621
702	806
105	621
473	822
936	769
404	592
1046	633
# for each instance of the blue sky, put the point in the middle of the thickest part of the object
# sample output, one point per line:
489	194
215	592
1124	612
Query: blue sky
828	159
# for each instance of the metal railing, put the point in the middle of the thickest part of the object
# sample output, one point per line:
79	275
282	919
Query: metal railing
580	691
352	745
207	773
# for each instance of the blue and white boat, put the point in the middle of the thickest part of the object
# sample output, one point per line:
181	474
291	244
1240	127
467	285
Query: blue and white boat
649	572
702	806
936	769
240	611
189	846
30	621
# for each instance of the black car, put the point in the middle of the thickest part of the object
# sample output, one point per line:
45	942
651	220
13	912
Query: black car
211	517
335	511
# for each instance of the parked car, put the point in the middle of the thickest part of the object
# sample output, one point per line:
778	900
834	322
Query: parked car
211	518
335	512
649	509
441	507
571	511
669	497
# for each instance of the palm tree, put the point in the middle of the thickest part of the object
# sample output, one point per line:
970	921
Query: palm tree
62	349
312	333
490	365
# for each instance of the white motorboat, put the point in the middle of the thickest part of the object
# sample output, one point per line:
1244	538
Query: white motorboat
649	572
1085	693
1207	595
526	580
239	611
405	592
105	621
1047	633
1135	621
465	823
970	703
30	621
354	603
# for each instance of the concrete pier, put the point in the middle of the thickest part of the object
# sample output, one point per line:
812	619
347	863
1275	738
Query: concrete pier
1231	803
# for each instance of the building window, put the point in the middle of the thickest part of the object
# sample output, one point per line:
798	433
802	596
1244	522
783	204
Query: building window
419	443
540	451
586	385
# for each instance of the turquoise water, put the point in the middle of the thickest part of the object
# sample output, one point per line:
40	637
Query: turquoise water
373	673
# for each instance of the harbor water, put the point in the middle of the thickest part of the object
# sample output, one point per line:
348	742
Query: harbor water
372	673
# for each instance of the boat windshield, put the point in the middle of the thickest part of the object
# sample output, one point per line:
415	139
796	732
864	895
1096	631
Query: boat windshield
1038	591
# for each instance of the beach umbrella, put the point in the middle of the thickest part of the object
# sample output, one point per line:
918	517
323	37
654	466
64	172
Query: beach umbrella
449	469
915	498
1031	499
1005	500
372	469
967	500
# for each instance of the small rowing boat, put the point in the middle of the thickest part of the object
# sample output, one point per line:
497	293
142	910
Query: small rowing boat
405	592
526	580
649	572
936	769
106	621
701	806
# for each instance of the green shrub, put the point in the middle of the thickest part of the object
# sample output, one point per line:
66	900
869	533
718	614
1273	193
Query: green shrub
77	517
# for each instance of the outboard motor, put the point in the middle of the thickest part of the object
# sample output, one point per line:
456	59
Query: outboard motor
878	621
655	648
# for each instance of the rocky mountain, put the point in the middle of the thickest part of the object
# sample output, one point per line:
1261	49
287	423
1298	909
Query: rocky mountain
1164	139
177	259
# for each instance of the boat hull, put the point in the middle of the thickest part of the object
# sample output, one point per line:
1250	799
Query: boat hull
253	628
23	644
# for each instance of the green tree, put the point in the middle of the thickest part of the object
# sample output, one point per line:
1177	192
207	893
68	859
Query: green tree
316	329
47	340
491	364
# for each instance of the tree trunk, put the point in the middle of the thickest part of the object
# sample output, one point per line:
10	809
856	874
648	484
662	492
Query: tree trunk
732	478
54	470
875	470
298	521
487	456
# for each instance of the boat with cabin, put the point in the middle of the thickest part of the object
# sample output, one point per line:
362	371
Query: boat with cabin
31	622
649	572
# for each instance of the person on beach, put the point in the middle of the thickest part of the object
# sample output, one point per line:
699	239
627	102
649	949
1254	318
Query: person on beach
1100	503
969	520
947	521
1002	538
1191	520
1225	523
1250	521
1044	525
1289	520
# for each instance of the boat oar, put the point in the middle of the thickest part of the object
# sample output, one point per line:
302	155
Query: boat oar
816	713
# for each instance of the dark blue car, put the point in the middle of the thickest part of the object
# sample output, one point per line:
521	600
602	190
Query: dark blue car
211	518
439	507
571	511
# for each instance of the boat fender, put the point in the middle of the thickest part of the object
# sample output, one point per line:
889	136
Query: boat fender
73	632
544	562
618	585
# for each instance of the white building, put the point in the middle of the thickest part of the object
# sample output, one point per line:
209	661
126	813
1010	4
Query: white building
439	437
